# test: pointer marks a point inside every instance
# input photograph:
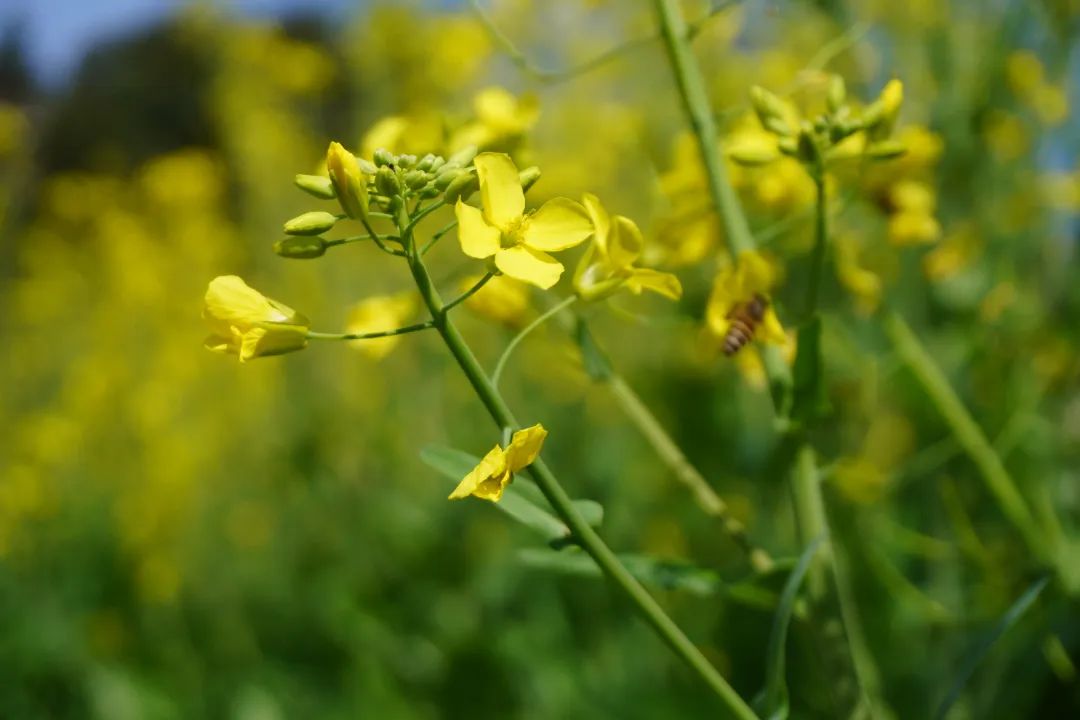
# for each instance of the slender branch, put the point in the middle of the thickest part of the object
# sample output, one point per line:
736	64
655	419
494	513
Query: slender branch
415	219
560	501
360	238
998	481
549	76
438	236
312	335
501	364
468	293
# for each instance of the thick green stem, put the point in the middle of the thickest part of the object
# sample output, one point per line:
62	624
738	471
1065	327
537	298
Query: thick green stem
821	239
809	512
561	503
967	433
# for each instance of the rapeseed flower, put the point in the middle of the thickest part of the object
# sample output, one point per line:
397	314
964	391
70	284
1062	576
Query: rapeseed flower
736	285
247	324
489	479
518	241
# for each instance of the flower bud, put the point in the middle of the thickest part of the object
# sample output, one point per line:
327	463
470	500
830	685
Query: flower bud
528	177
316	185
464	156
366	166
406	161
415	179
437	163
349	184
386	182
770	110
446	175
461	187
754	153
886	150
301	247
426	162
383	157
310	223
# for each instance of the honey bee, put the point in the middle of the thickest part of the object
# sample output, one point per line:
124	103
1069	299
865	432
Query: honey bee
744	319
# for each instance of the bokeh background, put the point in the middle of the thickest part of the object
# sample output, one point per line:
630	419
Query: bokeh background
182	536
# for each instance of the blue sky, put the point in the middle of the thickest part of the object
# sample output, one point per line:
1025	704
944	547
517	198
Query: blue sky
58	33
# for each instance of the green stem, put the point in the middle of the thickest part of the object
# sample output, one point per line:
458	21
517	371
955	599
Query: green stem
468	293
561	503
371	335
967	433
501	364
438	236
821	239
809	512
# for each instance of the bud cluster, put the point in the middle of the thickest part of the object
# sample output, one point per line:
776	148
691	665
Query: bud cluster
817	140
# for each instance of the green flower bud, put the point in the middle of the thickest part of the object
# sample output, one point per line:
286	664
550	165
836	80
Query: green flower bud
425	162
383	157
837	94
429	191
886	150
310	223
464	156
788	145
366	166
753	155
301	247
461	187
386	182
437	163
316	185
416	179
528	177
447	175
770	110
406	161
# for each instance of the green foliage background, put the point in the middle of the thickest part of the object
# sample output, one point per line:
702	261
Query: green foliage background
181	536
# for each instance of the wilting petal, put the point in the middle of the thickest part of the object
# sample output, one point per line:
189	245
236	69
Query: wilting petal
661	283
500	189
528	265
487	480
525	447
477	238
559	224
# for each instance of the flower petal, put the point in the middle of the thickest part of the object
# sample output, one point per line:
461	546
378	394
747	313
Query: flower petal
770	330
477	238
559	224
230	299
500	189
600	220
525	447
487	480
661	283
755	273
624	243
528	265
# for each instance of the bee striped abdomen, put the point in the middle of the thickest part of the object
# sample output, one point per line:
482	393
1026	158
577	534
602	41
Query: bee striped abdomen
744	319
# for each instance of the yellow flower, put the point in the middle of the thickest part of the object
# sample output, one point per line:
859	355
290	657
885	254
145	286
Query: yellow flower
737	285
349	183
913	227
247	324
500	118
376	314
608	264
417	134
864	284
501	299
496	470
519	241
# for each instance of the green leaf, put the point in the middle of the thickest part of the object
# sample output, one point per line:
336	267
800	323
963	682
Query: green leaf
1010	618
809	401
521	500
772	704
596	363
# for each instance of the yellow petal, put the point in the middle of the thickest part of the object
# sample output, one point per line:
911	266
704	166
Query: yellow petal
477	238
725	294
559	224
487	480
600	219
500	189
525	447
755	274
228	298
770	330
661	283
624	243
528	265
